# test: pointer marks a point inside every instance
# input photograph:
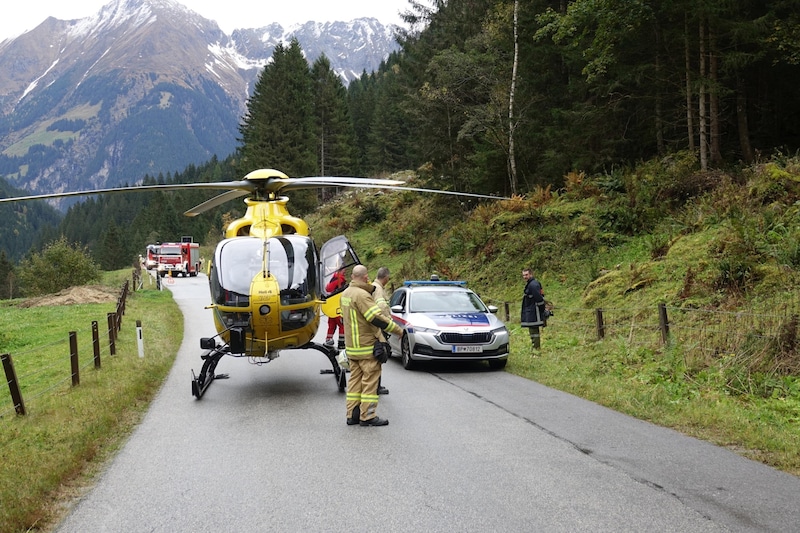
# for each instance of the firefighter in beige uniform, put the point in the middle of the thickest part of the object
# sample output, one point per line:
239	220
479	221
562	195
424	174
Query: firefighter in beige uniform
363	322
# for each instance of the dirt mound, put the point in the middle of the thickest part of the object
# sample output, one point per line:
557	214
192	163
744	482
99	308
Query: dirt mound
88	294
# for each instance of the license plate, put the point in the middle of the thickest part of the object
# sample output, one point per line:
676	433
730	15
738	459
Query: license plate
467	349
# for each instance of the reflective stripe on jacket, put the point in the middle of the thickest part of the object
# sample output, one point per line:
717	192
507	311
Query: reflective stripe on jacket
363	320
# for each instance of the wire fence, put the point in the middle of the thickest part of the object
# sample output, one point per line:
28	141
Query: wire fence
766	341
57	364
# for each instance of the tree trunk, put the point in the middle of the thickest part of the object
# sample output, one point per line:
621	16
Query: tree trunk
713	74
512	162
741	120
702	118
659	113
689	105
322	150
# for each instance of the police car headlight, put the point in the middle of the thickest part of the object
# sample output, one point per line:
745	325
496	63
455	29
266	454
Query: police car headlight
417	329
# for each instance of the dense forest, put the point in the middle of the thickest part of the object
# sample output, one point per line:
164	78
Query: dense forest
498	96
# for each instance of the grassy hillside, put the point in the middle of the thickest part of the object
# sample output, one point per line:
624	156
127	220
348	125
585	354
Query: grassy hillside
719	251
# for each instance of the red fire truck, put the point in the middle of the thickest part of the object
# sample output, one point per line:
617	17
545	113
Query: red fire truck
179	258
151	260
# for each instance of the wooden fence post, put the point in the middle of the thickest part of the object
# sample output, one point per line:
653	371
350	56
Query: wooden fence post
112	334
505	305
125	289
96	344
73	358
663	323
13	384
598	320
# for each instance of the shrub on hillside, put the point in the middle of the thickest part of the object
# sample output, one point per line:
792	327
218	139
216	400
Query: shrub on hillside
59	266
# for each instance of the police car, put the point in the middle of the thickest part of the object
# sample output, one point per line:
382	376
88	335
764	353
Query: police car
446	321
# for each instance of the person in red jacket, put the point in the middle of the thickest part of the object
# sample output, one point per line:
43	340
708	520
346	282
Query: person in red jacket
337	281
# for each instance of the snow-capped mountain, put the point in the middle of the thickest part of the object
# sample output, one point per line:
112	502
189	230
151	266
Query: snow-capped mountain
145	86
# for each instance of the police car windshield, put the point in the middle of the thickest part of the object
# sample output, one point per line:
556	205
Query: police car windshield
446	301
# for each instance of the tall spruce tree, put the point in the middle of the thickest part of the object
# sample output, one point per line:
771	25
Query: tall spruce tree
390	127
335	137
112	252
278	129
361	101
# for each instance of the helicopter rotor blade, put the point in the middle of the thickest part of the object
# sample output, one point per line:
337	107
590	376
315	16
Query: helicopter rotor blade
214	202
261	183
451	193
239	185
370	183
316	182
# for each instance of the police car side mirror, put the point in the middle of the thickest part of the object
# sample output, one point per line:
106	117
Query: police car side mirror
492	308
397	309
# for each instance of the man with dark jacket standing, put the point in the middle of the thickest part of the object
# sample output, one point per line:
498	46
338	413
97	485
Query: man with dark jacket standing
363	322
533	307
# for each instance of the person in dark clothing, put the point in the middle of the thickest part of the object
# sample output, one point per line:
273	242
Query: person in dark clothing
534	315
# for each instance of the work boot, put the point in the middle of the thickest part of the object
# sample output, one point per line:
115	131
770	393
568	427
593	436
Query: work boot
383	390
375	422
341	343
329	342
353	420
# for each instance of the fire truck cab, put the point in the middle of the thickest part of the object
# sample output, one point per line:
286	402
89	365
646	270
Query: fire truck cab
151	258
179	258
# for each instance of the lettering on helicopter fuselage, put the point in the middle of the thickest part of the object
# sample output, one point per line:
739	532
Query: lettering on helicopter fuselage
267	292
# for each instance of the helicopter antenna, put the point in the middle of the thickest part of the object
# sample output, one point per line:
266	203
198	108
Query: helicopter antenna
264	248
265	257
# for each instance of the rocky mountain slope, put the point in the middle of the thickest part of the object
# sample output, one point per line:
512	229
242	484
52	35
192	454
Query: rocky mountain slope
144	86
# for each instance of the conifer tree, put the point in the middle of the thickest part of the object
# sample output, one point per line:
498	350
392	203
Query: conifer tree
112	253
278	128
361	100
7	277
389	130
335	138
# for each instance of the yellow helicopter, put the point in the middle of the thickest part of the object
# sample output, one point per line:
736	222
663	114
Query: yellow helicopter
267	278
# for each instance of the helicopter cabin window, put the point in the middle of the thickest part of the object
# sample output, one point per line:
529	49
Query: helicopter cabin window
337	260
291	258
240	259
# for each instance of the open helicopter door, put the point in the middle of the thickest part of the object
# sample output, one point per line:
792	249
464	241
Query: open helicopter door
337	259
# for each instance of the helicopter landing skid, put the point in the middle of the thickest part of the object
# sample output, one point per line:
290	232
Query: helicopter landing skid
210	359
331	353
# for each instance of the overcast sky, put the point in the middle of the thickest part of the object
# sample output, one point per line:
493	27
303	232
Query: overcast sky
229	14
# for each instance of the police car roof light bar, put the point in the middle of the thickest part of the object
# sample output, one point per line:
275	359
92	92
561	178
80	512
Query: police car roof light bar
438	282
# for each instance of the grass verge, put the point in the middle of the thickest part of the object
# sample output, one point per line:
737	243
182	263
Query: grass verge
52	453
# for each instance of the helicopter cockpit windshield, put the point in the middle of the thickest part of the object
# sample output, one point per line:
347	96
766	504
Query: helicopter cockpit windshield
289	259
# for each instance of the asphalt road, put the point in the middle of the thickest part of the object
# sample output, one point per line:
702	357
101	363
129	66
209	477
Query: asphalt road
466	450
